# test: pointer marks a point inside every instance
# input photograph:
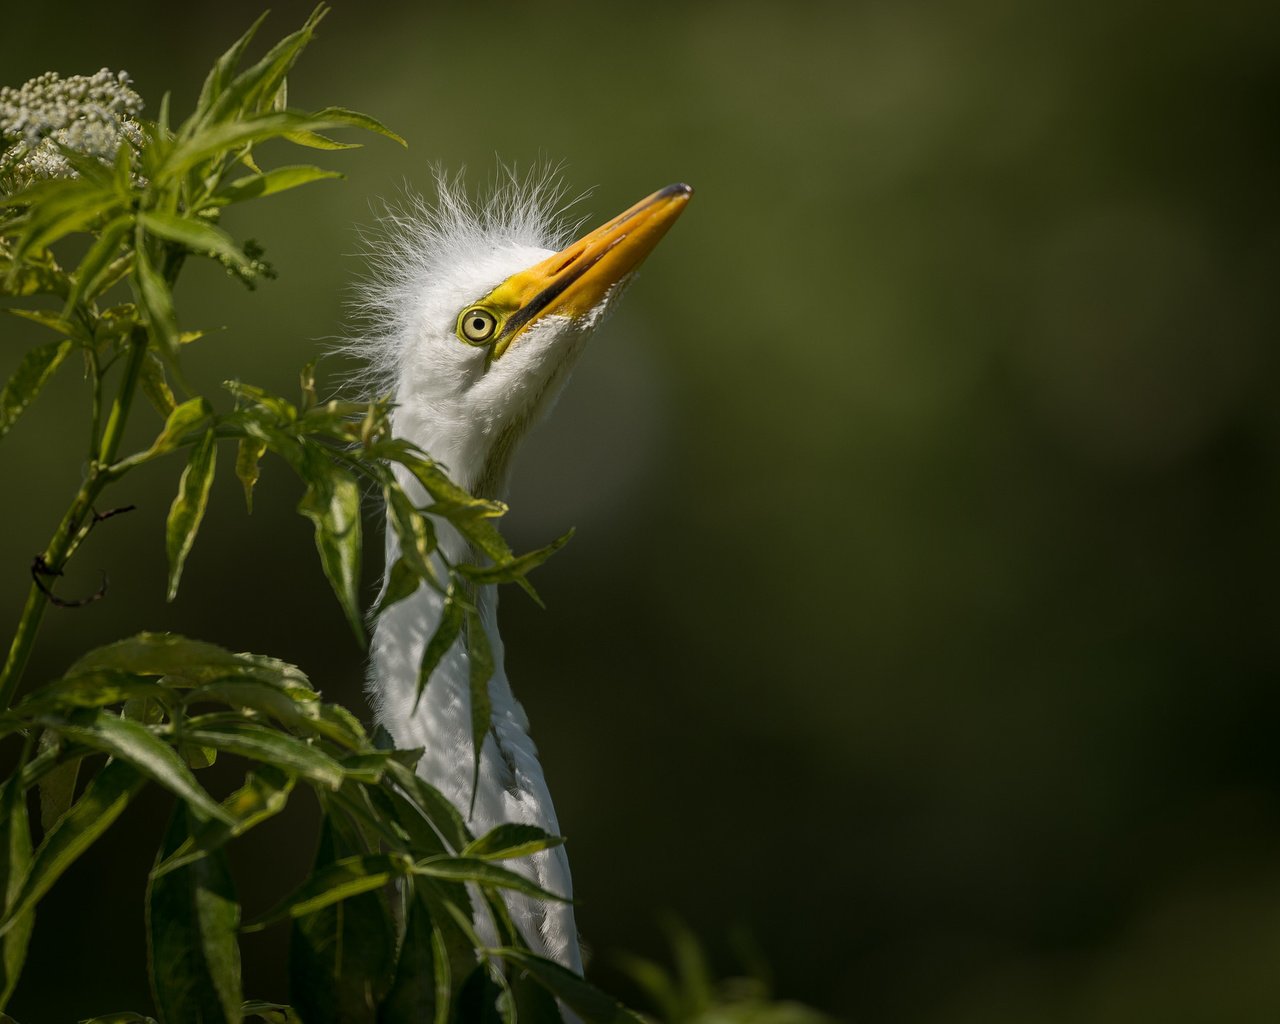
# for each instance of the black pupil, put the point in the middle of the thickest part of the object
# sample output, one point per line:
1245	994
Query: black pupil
478	325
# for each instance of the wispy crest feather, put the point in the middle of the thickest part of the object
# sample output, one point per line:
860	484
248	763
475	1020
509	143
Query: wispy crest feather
416	241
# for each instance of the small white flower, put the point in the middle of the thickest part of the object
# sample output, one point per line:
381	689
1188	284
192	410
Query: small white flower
90	114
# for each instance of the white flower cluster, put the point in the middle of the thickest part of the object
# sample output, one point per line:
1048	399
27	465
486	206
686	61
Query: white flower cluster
90	114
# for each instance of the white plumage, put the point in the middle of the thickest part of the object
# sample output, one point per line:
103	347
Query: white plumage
468	402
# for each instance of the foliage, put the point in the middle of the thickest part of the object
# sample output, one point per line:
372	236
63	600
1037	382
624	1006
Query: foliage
383	927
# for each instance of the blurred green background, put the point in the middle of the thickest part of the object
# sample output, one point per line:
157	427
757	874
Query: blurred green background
921	620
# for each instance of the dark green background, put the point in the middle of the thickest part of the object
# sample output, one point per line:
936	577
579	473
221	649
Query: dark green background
922	614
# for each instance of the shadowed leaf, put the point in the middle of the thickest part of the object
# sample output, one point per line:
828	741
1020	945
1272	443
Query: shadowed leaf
470	869
33	372
187	510
335	882
193	956
15	861
107	795
447	631
480	658
511	840
332	503
578	994
262	743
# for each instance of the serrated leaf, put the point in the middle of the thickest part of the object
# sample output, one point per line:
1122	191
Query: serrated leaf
187	511
511	840
280	179
193	953
480	671
186	662
572	989
33	372
483	872
130	741
192	233
15	862
106	796
448	629
249	454
437	808
96	689
341	957
332	503
261	743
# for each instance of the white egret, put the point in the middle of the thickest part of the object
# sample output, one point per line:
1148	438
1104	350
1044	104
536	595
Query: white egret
478	322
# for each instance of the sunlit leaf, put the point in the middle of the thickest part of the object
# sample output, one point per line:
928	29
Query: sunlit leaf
33	372
130	741
511	840
402	582
181	423
223	70
187	510
249	454
471	869
155	297
186	662
193	953
272	1013
86	282
261	743
101	803
268	183
448	629
355	119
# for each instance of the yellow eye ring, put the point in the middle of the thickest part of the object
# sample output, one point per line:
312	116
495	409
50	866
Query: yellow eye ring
477	326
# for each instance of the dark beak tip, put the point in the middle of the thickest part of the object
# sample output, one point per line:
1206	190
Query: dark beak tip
677	190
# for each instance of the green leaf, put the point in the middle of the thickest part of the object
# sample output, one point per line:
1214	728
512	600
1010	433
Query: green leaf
355	119
220	75
107	795
511	840
270	182
335	882
414	531
193	955
155	385
314	140
130	741
124	1017
15	862
184	420
272	1013
96	689
187	510
95	268
47	318
471	869
155	298
261	743
33	372
264	795
422	971
452	615
300	712
572	989
341	957
332	503
219	139
511	570
185	662
249	454
402	582
54	217
197	235
437	808
480	659
58	785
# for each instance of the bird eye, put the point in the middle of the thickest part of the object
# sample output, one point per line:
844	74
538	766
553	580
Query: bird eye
477	325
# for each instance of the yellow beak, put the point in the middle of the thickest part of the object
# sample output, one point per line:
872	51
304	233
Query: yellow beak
578	277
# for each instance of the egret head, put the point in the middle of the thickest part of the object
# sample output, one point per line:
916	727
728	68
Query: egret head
481	314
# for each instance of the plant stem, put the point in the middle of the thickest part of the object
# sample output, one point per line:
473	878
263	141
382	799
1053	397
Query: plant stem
70	531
